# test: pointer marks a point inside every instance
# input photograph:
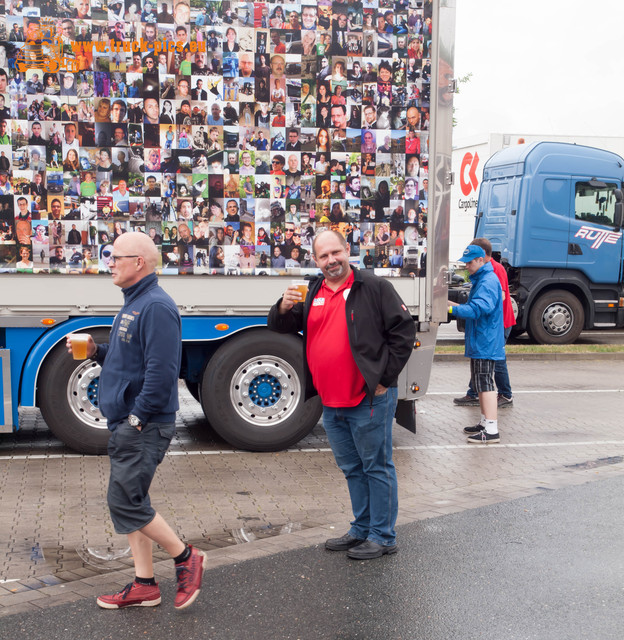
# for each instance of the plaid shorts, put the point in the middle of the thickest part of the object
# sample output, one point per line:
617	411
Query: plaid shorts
482	375
134	456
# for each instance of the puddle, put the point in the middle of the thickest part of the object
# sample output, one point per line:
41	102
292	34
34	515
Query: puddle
242	535
592	464
104	558
32	560
35	560
32	553
36	554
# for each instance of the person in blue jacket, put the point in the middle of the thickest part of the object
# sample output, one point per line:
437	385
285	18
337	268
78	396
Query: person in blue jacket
138	395
484	339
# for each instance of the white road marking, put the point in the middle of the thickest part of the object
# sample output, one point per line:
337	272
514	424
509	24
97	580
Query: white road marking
423	447
533	391
64	456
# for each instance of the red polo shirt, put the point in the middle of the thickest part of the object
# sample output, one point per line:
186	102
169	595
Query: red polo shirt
334	372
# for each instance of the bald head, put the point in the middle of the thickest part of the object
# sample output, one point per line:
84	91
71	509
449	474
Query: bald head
138	244
336	234
146	248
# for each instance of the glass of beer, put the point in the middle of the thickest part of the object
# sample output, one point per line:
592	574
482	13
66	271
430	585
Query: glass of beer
79	343
302	288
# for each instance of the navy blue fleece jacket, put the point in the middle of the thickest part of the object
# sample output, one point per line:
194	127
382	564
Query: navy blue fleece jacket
140	365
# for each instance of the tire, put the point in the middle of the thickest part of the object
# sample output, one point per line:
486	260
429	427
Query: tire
67	393
193	388
516	332
556	317
252	392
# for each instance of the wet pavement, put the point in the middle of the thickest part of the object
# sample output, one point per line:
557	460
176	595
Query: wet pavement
57	545
547	566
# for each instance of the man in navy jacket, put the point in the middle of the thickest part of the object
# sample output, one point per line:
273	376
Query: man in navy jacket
484	339
138	394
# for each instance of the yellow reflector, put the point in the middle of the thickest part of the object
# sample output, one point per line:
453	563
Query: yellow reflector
222	327
621	303
416	344
611	304
48	322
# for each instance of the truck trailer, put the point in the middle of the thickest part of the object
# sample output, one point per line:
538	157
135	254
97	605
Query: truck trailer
231	143
553	212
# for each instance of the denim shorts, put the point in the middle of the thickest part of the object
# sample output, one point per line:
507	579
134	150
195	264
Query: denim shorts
134	456
482	375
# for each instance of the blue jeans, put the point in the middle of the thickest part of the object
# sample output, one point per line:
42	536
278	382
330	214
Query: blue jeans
501	376
361	439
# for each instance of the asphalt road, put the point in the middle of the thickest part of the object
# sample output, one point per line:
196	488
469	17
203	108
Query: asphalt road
545	567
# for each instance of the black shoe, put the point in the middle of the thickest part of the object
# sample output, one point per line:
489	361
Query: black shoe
504	402
369	550
483	437
342	544
466	401
472	430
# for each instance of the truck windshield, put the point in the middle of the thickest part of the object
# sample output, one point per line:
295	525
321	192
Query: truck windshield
595	204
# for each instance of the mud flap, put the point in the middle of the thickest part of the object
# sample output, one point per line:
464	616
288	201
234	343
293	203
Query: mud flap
405	414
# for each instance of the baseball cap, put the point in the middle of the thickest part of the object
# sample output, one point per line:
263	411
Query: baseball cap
471	252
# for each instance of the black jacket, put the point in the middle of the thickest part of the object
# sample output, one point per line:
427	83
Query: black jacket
381	330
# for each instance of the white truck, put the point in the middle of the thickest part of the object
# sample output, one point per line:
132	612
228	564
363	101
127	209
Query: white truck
247	378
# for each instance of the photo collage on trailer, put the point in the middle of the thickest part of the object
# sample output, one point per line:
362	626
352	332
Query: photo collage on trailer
229	132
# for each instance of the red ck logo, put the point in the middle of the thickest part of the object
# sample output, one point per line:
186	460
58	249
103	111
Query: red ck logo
469	162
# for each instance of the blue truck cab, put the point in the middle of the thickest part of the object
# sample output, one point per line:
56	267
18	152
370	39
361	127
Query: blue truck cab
553	214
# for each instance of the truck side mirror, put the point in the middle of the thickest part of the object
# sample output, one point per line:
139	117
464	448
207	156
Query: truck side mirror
618	215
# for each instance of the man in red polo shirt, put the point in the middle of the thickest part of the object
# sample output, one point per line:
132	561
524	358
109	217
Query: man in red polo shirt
358	335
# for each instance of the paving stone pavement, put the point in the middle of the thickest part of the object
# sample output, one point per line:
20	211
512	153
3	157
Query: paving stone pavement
57	543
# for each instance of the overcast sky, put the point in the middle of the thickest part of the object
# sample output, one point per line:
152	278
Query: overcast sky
540	67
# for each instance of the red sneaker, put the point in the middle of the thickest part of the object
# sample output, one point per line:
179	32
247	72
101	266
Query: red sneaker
189	576
132	595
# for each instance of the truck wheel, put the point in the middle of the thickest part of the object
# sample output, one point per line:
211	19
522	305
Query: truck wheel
556	317
193	388
516	332
68	398
252	392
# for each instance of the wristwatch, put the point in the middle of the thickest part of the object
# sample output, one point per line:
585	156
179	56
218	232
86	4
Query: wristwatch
135	421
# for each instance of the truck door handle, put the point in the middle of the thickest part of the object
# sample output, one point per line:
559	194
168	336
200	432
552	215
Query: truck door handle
574	249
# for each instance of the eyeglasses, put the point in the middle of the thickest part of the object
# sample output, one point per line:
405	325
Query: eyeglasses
115	258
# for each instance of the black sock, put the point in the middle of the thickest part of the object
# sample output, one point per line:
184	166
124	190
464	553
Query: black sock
148	581
184	556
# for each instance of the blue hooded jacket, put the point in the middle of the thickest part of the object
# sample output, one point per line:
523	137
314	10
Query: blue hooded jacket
485	334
